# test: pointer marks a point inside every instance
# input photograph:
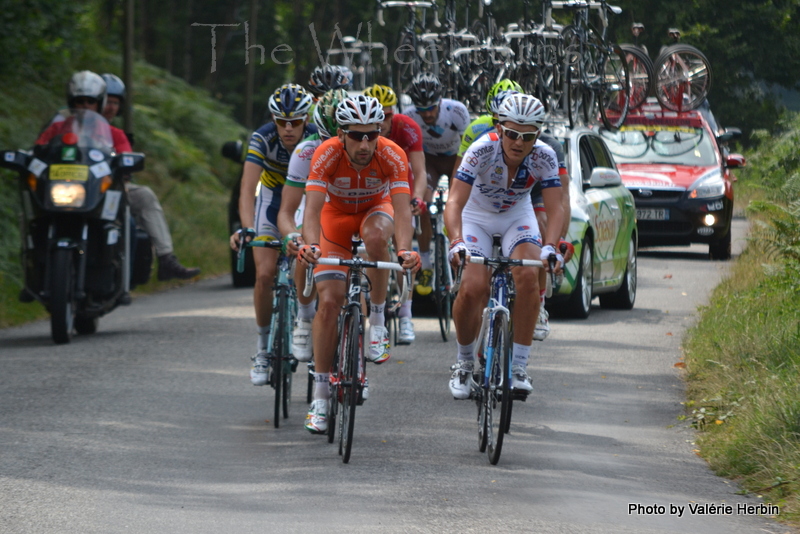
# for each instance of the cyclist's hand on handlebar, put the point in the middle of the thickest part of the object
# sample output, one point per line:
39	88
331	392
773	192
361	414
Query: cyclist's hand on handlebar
566	248
418	206
409	259
549	253
248	234
292	243
309	254
454	256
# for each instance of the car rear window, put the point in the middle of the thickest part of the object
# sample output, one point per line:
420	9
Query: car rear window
673	145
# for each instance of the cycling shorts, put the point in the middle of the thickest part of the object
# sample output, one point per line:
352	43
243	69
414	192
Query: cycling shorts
518	226
335	239
268	203
437	166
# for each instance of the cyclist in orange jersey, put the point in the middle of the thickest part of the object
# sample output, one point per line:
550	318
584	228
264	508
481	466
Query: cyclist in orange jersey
358	184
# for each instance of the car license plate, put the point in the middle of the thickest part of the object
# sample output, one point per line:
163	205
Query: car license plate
652	214
73	173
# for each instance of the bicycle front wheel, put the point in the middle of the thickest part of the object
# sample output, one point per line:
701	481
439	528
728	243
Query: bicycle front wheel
279	353
350	365
497	397
683	77
442	286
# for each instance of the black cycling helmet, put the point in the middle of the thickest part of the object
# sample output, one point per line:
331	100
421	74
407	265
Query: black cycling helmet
324	79
115	87
425	90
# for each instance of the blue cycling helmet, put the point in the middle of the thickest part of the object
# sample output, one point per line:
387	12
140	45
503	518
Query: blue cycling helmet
290	101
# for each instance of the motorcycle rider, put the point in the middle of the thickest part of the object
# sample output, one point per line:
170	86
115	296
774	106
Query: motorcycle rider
144	203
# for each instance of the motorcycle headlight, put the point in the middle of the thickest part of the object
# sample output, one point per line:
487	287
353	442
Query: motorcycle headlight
712	186
68	195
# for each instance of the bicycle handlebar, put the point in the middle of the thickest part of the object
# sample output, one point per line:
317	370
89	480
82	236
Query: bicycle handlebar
253	243
506	261
309	281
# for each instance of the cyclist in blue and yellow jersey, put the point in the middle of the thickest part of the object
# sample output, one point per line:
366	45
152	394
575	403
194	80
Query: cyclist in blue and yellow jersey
290	216
263	177
443	122
408	135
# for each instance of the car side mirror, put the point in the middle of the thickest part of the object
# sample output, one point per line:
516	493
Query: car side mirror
729	134
734	161
131	161
233	151
14	160
604	177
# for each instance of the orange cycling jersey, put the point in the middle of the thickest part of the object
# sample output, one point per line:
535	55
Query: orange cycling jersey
353	191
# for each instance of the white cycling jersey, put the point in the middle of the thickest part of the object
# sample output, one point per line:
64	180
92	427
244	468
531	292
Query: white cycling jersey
485	170
299	167
444	137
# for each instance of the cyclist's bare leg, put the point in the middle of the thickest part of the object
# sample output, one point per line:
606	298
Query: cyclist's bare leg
469	303
266	260
526	281
331	294
376	231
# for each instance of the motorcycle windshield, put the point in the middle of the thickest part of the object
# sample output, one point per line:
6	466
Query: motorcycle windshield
90	130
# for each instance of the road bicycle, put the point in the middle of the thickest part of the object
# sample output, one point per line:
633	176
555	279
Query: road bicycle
442	274
282	363
357	56
641	71
348	373
492	377
597	79
682	77
412	54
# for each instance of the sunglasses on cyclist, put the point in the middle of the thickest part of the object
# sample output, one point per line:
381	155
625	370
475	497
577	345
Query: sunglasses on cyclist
81	100
362	136
296	123
527	137
426	109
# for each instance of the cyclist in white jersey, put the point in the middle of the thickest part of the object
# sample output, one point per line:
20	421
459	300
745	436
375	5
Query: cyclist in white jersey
443	122
290	215
491	195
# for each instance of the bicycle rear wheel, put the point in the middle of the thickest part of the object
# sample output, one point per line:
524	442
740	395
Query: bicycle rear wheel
683	77
497	398
349	384
613	97
442	286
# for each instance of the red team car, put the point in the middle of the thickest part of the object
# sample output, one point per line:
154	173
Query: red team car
678	170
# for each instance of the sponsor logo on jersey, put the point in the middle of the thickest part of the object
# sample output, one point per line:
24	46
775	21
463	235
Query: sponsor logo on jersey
373	183
472	239
523	228
472	161
342	181
483	150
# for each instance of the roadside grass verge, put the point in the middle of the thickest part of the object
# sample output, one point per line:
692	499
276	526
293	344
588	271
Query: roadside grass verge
743	355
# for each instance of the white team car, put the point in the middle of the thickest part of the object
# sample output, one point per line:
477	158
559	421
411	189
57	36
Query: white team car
602	229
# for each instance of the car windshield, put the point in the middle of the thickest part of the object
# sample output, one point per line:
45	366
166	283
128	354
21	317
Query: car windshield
673	145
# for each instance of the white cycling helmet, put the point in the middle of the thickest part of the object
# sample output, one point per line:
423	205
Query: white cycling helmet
522	109
360	109
88	84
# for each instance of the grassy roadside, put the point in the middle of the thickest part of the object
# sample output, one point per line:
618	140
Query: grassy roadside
743	356
179	128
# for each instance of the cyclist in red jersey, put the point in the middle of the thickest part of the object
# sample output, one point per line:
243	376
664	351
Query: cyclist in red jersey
358	184
408	135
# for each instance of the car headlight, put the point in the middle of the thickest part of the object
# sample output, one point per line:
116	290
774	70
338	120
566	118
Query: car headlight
711	186
68	195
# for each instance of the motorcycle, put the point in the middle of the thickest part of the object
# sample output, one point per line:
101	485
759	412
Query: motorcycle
77	234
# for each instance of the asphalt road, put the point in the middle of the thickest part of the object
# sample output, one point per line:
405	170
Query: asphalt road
151	425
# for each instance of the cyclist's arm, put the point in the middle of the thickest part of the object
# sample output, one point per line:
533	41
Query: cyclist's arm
456	166
403	230
554	208
416	161
565	204
291	197
247	193
456	200
311	225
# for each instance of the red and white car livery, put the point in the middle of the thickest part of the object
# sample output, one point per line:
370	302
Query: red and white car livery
678	171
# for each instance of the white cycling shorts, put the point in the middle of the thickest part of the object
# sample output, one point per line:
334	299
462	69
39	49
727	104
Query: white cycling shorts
517	226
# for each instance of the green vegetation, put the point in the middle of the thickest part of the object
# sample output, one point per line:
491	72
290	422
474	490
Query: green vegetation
743	357
179	128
